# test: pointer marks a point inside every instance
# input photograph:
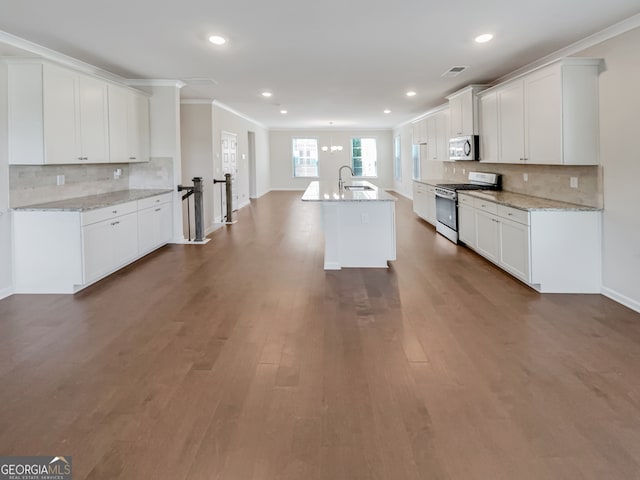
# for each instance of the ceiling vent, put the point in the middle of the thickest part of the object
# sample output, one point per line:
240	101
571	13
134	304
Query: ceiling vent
454	71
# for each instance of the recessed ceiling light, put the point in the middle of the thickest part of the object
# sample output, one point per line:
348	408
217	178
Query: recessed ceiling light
217	40
284	112
411	93
387	111
267	94
485	37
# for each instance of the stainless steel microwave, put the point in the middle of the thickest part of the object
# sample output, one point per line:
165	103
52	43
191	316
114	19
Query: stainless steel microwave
464	148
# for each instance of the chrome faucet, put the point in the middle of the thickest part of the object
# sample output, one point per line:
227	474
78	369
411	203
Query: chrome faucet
340	181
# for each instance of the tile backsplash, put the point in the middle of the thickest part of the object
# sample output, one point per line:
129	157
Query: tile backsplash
547	181
31	184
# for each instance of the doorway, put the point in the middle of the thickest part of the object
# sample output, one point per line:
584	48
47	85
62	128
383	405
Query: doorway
229	148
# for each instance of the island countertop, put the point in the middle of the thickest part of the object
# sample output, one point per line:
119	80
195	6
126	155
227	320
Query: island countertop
319	191
92	202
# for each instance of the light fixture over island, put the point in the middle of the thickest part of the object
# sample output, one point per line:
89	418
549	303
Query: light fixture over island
359	224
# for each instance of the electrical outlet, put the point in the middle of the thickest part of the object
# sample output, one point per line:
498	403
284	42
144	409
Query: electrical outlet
573	182
464	171
60	180
117	173
525	177
364	218
454	169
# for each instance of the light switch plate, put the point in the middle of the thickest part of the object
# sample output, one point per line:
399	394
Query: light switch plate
573	182
60	180
525	177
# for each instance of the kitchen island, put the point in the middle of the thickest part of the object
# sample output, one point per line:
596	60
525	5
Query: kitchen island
358	222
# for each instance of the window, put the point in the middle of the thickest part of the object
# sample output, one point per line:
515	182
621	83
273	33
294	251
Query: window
305	157
364	157
397	158
415	158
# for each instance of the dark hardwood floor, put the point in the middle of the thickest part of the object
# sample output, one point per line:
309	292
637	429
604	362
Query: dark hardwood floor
243	359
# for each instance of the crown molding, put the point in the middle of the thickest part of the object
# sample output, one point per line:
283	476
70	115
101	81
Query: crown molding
576	47
422	116
154	82
57	57
221	105
196	101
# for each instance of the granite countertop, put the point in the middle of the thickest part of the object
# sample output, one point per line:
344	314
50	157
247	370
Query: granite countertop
92	202
526	202
328	192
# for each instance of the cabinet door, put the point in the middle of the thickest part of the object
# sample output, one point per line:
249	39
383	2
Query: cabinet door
543	117
442	132
432	138
138	122
514	248
430	205
60	115
118	124
466	112
487	235
467	225
489	128
418	197
125	239
154	227
98	252
94	145
455	116
511	122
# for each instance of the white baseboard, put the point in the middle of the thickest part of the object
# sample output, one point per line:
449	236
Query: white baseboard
620	298
6	292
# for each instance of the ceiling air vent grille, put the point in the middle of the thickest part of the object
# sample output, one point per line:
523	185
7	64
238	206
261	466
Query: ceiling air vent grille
454	71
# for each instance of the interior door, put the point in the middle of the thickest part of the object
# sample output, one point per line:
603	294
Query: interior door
229	147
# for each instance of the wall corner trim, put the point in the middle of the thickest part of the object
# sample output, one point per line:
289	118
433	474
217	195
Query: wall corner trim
221	105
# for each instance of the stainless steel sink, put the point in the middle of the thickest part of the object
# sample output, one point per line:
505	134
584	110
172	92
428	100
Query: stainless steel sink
357	187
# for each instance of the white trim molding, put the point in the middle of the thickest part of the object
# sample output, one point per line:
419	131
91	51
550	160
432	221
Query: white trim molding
6	292
221	105
598	37
57	57
622	299
154	82
196	101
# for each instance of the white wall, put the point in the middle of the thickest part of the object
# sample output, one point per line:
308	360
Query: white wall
228	121
6	250
197	156
619	130
282	156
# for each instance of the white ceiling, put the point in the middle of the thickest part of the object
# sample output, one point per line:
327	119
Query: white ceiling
327	61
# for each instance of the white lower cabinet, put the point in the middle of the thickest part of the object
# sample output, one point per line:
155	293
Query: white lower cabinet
65	251
108	245
154	226
424	201
487	243
514	248
553	251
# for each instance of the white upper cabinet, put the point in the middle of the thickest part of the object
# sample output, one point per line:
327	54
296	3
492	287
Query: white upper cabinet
489	128
463	111
60	116
433	131
93	132
128	125
548	116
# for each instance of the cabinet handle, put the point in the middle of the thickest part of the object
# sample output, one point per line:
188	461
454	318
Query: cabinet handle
132	158
158	209
510	214
115	223
83	158
114	211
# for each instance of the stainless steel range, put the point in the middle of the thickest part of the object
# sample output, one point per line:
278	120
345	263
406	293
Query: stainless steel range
447	200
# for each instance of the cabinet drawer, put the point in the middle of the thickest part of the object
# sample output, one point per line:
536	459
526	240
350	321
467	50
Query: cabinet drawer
156	200
486	206
465	200
431	189
520	216
99	214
